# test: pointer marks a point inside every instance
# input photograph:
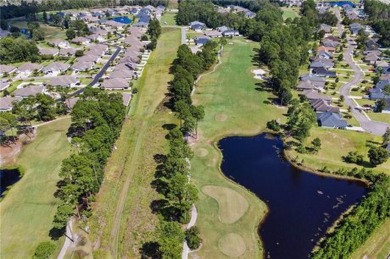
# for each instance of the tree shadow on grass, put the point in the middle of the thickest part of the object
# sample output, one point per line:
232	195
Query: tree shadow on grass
150	249
256	61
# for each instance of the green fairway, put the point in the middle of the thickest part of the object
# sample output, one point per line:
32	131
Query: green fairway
289	12
234	105
28	209
123	204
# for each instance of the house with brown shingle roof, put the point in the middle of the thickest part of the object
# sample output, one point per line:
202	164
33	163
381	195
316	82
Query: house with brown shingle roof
64	81
67	52
49	51
27	68
82	65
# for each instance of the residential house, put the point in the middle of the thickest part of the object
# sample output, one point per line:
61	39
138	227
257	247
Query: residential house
115	84
321	71
213	34
28	68
318	82
67	52
48	52
315	95
82	65
4	84
96	37
124	70
380	65
60	43
81	40
321	105
331	120
143	21
230	33
326	28
64	81
324	55
378	91
202	40
330	43
126	98
372	45
56	68
71	102
7	69
29	90
355	28
371	58
325	63
6	103
223	28
326	49
305	85
197	26
332	38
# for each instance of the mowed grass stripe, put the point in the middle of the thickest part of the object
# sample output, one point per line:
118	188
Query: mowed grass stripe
27	211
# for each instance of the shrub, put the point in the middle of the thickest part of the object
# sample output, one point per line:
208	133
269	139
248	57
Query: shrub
353	157
44	250
273	125
192	238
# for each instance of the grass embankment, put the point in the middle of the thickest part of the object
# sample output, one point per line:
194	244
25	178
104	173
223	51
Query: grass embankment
335	145
228	214
122	216
51	32
28	209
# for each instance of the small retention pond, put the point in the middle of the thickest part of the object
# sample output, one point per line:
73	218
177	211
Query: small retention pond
122	19
7	178
301	205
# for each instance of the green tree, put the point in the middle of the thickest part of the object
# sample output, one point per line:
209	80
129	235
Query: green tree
380	105
38	34
316	144
386	136
45	18
171	239
198	114
45	107
340	57
377	155
192	238
70	34
44	250
3	24
64	212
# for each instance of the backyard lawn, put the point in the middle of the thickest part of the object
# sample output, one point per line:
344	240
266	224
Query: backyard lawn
168	19
290	12
27	210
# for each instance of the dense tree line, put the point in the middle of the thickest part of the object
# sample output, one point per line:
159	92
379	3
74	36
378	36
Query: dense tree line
96	122
187	67
379	16
356	227
75	28
17	50
154	31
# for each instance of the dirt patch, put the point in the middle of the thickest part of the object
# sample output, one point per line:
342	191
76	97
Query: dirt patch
9	154
221	117
232	245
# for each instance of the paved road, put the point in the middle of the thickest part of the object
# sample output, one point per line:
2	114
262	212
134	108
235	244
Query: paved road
373	127
101	72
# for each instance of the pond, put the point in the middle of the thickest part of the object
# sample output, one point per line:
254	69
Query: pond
7	178
122	19
301	205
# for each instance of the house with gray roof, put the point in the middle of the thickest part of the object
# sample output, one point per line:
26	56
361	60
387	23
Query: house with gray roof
64	81
202	40
197	26
71	102
318	82
223	28
325	27
321	71
48	51
4	85
230	33
67	52
6	102
7	69
355	28
27	68
29	90
115	84
126	98
82	65
81	40
321	105
212	34
331	120
325	63
378	91
315	95
60	43
305	85
56	68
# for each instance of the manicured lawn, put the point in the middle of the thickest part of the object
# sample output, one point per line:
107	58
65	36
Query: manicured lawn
28	209
376	116
123	203
168	19
51	32
290	13
233	106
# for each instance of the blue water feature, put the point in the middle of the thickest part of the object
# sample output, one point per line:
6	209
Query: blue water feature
341	3
7	178
301	205
122	19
